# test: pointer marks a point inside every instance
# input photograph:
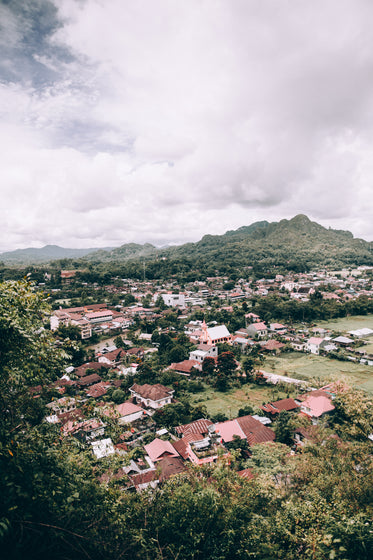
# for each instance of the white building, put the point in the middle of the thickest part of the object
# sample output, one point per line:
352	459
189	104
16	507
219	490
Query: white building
174	300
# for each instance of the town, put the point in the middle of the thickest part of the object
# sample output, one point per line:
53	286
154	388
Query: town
137	403
153	353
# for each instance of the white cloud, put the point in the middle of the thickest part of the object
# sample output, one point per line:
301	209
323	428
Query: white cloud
161	121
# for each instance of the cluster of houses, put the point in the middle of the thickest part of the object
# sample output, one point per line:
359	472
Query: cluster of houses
168	453
95	318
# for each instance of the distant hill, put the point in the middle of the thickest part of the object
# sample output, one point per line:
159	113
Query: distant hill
294	244
44	254
124	252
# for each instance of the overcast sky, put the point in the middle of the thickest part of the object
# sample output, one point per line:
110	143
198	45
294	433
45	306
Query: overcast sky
162	120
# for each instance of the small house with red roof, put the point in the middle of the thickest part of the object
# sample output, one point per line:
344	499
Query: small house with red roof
129	412
276	407
152	396
159	449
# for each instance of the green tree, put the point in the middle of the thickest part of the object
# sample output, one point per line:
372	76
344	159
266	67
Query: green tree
208	365
118	396
283	427
226	363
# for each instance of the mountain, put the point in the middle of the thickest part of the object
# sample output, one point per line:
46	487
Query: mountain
44	254
124	252
294	244
298	240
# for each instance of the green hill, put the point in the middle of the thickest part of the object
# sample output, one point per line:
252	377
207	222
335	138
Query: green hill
296	244
298	240
33	255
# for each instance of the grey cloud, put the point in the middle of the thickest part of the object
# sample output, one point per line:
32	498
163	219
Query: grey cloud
247	110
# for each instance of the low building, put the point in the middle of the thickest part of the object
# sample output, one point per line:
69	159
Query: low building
159	449
258	330
129	412
152	396
276	407
186	366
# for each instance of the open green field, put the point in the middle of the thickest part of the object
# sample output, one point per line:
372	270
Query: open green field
345	324
230	402
310	366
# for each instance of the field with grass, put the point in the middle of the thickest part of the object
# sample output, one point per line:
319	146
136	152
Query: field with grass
312	367
345	324
230	402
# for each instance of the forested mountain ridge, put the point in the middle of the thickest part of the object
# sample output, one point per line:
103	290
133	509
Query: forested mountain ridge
297	243
45	254
277	243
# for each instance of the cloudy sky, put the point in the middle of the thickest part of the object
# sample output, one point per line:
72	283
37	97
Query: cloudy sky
162	120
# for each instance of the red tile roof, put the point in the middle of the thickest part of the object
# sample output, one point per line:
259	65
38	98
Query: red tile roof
153	392
98	390
278	406
158	448
254	430
198	426
89	380
185	366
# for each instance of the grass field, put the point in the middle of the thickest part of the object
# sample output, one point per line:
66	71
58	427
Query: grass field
230	402
309	366
345	324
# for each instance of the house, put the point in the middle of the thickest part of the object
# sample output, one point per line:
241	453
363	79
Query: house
242	342
102	448
245	427
246	473
255	431
343	341
197	443
174	300
204	351
186	366
200	426
272	346
227	430
259	330
81	371
252	318
153	396
278	328
316	404
113	358
88	380
139	465
129	412
313	345
170	466
83	317
361	333
159	449
278	406
98	389
86	430
142	481
166	468
63	405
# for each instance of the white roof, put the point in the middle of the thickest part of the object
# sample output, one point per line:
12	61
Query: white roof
342	339
218	332
201	353
103	447
361	332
